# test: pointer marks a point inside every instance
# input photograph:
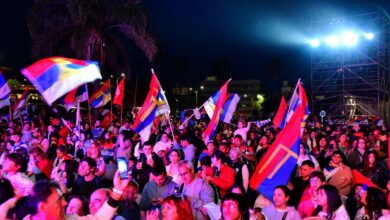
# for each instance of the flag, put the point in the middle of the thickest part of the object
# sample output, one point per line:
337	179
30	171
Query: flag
23	102
262	122
77	95
280	117
359	178
119	93
78	121
298	96
154	105
101	97
230	107
4	102
107	119
55	76
211	127
278	163
4	88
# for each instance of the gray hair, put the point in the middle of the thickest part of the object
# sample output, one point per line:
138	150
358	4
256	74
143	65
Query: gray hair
188	164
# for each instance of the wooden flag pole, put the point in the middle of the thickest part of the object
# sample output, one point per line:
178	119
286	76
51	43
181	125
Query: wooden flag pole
111	100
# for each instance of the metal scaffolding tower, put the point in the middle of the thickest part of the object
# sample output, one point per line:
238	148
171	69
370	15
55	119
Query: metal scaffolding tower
351	81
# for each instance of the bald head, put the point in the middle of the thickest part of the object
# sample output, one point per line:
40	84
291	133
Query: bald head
98	198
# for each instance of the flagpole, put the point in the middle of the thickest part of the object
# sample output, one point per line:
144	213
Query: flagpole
123	95
111	99
135	90
89	110
170	126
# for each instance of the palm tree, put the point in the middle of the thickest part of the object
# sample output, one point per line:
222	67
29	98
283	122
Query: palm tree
90	29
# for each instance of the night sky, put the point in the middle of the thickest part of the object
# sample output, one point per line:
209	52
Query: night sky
247	39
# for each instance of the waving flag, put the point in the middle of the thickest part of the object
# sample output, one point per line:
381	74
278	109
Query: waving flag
22	104
101	97
4	102
211	127
77	95
228	109
119	93
298	96
154	105
54	77
278	163
280	117
4	88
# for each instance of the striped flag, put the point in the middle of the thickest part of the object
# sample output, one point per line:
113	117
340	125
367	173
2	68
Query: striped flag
22	104
75	96
102	96
54	77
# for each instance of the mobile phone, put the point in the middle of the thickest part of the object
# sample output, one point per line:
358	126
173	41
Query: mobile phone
122	167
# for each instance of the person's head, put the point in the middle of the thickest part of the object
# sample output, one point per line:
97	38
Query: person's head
147	148
75	206
9	144
164	138
369	158
186	171
94	150
98	198
6	190
263	140
303	148
97	123
131	192
17	136
211	146
37	133
375	201
87	167
184	141
38	153
281	196
223	147
218	158
234	207
329	199
306	169
61	151
159	175
343	138
174	156
338	157
361	144
323	142
240	124
235	154
13	163
48	200
317	179
176	208
238	141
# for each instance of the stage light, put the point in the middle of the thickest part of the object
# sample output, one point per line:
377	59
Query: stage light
369	36
314	42
333	41
350	39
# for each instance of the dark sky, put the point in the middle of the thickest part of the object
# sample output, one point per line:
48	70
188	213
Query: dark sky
255	39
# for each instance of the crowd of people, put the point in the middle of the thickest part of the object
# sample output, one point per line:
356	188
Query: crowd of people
50	171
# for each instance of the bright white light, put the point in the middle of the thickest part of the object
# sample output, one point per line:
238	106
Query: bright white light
350	39
369	36
333	41
314	42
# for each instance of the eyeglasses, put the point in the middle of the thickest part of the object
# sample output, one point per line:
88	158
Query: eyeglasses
183	174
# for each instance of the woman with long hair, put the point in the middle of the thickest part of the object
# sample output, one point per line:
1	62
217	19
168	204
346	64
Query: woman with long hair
172	168
330	206
371	169
94	152
375	205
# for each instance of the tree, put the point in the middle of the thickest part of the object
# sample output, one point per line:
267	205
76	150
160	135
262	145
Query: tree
90	29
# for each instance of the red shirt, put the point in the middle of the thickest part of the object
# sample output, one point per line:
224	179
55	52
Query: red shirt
225	180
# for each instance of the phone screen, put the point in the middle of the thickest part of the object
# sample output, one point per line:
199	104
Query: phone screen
122	167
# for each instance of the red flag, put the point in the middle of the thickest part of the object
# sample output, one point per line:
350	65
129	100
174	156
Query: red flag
119	93
359	178
280	117
107	119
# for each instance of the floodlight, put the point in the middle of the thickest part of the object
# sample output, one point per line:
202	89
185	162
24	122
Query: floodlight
333	41
369	36
314	42
350	39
